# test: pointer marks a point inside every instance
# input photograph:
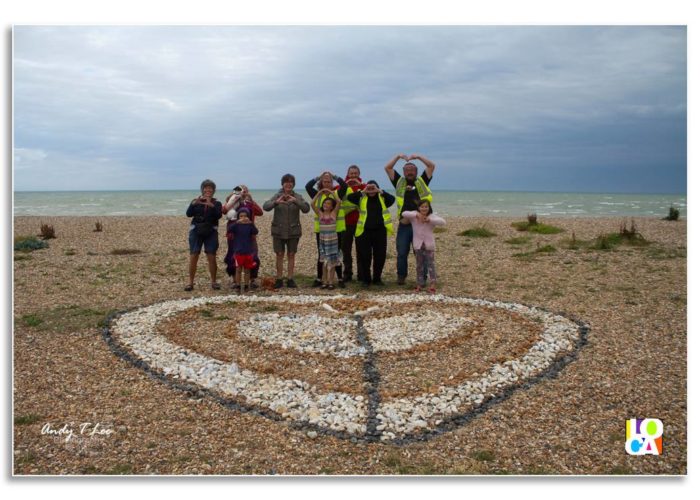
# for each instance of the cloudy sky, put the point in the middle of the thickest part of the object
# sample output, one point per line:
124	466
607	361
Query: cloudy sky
599	109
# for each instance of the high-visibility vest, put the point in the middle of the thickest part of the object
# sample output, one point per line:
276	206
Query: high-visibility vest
363	216
424	192
346	205
339	221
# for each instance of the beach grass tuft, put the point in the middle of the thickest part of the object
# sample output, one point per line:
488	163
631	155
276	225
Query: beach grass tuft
47	232
98	227
537	228
673	214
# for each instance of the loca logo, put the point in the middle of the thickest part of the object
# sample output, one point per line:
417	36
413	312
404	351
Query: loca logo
644	436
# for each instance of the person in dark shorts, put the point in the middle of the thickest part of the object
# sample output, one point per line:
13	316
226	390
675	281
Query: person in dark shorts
205	212
286	227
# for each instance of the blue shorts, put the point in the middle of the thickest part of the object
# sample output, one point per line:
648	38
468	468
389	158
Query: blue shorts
211	242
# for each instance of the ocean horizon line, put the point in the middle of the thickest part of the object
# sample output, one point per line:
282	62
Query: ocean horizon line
682	193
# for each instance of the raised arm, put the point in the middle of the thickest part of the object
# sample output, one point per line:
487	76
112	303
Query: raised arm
343	186
337	203
429	165
389	167
314	204
310	189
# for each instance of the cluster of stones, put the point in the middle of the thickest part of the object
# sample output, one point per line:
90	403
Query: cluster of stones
339	412
337	335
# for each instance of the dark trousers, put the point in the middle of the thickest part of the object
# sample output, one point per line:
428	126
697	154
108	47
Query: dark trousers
371	251
319	264
348	238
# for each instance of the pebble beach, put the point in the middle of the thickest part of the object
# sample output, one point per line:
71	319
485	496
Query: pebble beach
530	358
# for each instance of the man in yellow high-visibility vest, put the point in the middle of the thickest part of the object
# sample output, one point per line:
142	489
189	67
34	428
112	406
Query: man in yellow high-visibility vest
410	189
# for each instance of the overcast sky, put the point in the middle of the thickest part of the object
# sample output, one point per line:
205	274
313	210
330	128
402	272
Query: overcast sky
600	109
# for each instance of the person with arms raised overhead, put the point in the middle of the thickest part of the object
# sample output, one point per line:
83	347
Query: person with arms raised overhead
410	190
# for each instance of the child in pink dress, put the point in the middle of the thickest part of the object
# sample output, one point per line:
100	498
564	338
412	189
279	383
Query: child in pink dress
423	221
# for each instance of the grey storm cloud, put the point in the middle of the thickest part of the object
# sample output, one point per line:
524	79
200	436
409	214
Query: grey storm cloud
524	108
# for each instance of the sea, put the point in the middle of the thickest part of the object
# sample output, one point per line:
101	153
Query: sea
450	203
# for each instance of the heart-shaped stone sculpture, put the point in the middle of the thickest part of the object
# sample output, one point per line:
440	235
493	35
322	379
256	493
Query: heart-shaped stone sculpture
381	330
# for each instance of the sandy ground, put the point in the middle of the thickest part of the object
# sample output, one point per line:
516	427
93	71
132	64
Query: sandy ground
634	364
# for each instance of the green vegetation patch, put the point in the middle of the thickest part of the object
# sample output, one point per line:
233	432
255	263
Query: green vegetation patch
546	249
31	320
29	244
66	318
536	228
27	419
484	455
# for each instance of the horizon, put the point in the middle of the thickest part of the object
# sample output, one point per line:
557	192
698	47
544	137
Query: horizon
685	193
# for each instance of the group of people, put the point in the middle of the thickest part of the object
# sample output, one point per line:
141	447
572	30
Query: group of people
346	210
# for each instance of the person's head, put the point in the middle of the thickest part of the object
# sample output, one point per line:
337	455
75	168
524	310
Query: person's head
374	189
328	204
325	181
207	188
425	208
288	182
353	172
410	171
243	214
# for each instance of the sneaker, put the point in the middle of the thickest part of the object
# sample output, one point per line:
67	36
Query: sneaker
347	278
215	286
253	285
379	283
401	280
330	287
279	283
189	288
419	288
341	284
291	283
317	282
431	289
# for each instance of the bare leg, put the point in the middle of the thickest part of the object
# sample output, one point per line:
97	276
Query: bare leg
331	274
194	257
211	258
238	277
